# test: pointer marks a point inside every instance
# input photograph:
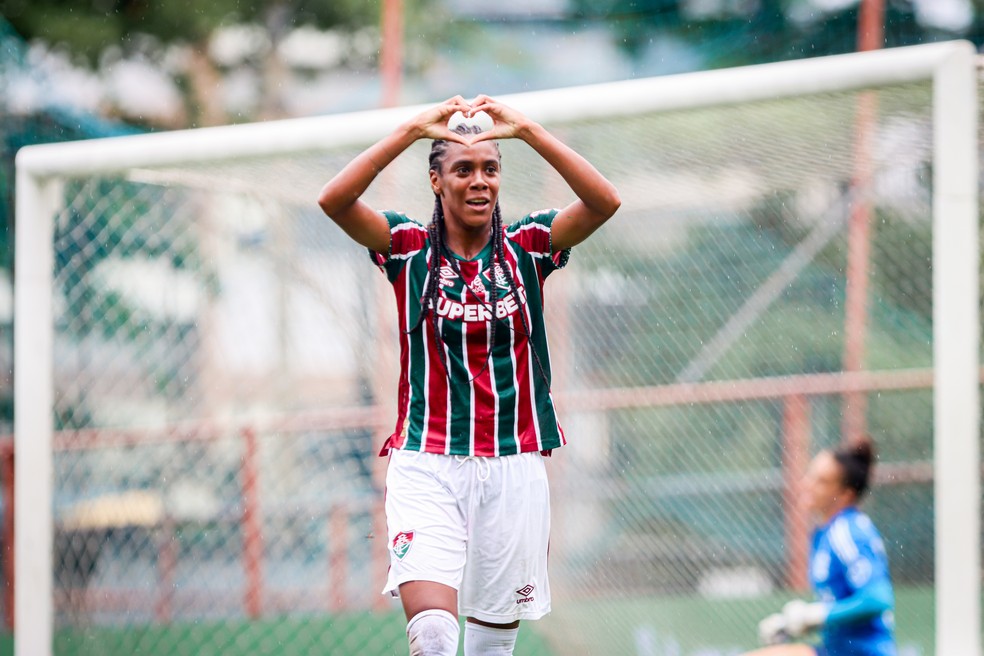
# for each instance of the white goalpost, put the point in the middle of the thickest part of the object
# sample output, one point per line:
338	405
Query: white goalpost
950	69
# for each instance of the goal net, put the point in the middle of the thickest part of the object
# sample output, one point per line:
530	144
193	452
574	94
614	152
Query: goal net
206	366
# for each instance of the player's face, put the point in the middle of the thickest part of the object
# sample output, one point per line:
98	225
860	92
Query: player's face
468	184
824	486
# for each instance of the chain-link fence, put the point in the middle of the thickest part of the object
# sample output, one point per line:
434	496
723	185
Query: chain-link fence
225	373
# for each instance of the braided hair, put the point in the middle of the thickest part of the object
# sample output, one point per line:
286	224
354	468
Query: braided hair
438	248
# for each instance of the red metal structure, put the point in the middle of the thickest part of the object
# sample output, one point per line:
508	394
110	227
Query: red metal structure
871	33
391	52
795	392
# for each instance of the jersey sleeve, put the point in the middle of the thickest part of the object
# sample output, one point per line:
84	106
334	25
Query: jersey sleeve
407	238
533	233
861	551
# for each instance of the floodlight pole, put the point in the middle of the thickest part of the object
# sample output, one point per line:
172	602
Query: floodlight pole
871	25
871	36
391	51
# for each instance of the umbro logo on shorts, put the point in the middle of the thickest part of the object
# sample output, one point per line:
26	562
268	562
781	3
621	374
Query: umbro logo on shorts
402	543
526	592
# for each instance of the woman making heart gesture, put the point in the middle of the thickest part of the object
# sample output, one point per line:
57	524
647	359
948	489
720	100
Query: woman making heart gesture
467	503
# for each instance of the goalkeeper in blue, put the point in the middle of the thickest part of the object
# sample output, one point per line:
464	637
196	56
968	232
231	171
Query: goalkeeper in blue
848	569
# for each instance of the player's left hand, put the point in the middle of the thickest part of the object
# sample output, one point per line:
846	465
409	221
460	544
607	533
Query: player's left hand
507	123
802	617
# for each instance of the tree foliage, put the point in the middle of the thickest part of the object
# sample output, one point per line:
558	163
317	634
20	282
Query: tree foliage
753	32
87	27
89	30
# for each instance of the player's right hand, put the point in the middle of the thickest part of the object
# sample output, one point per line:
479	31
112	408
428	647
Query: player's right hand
772	630
433	123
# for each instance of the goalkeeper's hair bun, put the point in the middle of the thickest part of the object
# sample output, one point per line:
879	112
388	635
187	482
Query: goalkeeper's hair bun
856	458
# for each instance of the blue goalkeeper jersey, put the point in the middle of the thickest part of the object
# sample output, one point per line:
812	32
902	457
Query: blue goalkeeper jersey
849	572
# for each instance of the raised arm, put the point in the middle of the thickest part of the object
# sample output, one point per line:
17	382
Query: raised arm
340	198
597	198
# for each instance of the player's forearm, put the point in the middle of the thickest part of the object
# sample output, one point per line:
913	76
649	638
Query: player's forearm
343	190
591	187
868	602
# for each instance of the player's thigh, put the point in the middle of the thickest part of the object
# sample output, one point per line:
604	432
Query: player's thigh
418	596
493	625
426	529
509	531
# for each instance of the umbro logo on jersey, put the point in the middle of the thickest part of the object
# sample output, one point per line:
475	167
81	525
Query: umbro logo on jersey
402	543
526	592
447	276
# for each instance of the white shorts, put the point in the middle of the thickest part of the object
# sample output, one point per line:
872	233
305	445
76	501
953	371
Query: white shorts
478	525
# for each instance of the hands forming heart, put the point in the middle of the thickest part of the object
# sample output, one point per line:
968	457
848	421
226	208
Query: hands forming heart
497	120
479	120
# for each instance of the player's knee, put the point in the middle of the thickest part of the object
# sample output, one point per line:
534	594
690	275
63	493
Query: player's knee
433	633
489	641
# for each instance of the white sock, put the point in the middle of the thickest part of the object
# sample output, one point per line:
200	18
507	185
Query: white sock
488	641
433	633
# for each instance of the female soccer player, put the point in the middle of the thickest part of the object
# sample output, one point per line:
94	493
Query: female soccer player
467	505
848	568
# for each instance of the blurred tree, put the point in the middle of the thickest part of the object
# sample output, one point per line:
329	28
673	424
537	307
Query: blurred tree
90	28
633	22
976	30
734	32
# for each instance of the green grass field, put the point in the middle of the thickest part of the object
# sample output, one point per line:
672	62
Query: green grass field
657	627
366	634
697	627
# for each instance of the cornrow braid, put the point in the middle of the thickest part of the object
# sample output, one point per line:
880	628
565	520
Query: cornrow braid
500	254
429	300
493	291
436	233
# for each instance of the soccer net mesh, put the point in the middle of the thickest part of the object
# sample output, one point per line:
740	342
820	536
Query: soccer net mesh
225	372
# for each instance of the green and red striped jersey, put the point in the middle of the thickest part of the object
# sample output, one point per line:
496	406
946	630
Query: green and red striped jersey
474	409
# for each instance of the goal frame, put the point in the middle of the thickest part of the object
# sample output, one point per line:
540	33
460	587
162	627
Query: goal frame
951	67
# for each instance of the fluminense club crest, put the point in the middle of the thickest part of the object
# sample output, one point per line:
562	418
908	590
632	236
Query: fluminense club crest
402	543
498	275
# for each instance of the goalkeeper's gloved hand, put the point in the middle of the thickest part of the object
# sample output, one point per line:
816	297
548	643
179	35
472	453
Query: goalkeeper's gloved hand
772	630
801	617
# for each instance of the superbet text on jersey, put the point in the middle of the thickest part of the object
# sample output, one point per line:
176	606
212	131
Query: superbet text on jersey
498	403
